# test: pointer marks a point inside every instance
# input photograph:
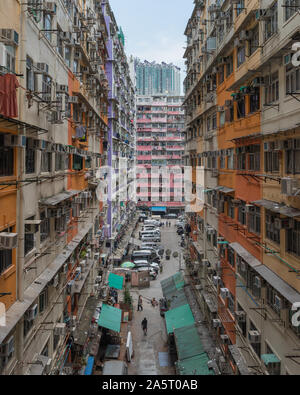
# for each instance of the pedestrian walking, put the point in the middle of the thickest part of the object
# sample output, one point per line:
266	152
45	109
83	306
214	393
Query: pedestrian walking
145	325
140	303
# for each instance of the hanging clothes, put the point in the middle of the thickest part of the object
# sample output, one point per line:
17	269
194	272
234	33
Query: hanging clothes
80	132
8	95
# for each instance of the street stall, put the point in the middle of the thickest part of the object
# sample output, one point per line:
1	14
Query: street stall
196	366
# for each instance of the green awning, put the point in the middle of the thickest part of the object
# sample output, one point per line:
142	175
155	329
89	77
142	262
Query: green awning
179	317
188	343
115	281
171	284
178	280
194	366
110	318
177	299
269	358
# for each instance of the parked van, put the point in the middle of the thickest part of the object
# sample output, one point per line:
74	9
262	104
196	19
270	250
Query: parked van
152	222
150	237
115	368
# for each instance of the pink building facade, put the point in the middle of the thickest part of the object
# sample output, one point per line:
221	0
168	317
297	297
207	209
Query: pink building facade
159	153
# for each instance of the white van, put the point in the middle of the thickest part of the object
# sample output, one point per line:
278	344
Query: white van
152	222
150	237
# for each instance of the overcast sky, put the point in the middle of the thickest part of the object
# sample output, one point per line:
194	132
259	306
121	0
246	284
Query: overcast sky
154	29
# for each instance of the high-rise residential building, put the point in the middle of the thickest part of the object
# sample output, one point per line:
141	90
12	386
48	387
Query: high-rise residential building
242	143
71	118
154	79
159	153
121	133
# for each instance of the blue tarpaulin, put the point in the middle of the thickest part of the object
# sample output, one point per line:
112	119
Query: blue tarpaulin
89	366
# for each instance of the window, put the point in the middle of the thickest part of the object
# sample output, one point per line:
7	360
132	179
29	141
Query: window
229	66
274	300
254	219
254	42
10	58
230	160
222	118
272	89
242	324
241	160
291	8
254	157
29	243
241	267
271	232
293	239
60	161
30	77
292	159
59	42
230	256
222	162
230	208
221	74
240	7
271	24
254	100
47	25
6	159
256	346
292	79
43	300
242	213
44	227
46	162
29	159
241	55
5	255
240	107
68	56
46	88
77	162
272	161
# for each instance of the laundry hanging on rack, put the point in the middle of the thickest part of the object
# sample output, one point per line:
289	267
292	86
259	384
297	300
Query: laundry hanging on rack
80	132
8	96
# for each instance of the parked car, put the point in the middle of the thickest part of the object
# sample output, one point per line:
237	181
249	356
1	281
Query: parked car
170	216
143	217
153	274
150	237
144	263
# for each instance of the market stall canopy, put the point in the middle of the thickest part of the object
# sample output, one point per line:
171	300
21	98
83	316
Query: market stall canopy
110	318
179	317
188	343
115	281
269	358
160	209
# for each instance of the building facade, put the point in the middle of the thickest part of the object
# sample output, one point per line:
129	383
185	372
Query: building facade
157	79
159	151
241	142
55	148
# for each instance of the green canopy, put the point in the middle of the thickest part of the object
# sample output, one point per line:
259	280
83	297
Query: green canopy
171	285
128	264
110	318
179	317
196	365
188	343
177	299
269	358
115	281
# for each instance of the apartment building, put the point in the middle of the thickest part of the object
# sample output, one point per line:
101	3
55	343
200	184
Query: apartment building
159	150
121	133
244	235
53	142
157	78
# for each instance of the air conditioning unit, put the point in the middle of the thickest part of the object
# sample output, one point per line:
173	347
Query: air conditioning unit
267	147
41	144
31	313
7	348
224	292
78	274
248	207
216	280
283	223
216	323
66	36
83	265
258	81
254	336
236	202
50	8
278	145
12	140
225	339
60	329
236	42
9	37
41	68
98	279
240	316
215	173
220	108
243	266
8	241
289	186
62	89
